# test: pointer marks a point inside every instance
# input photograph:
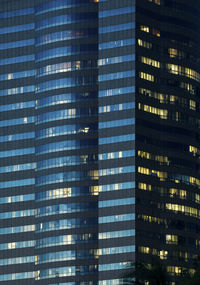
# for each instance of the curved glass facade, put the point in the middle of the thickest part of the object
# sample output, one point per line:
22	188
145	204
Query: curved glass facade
116	98
67	91
66	132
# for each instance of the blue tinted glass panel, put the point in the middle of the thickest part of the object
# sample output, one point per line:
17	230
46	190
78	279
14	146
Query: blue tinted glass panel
15	13
115	44
16	44
14	29
114	12
116	28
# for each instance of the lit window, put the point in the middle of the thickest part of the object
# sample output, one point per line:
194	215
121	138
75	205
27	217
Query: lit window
156	32
150	61
144	44
144	29
171	239
147	76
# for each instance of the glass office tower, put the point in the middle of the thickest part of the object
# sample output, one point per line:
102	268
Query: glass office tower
67	141
99	138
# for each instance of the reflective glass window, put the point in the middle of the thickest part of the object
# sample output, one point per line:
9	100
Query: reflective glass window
17	28
17	199
17	137
17	244
116	28
116	75
116	123
115	139
16	183
114	266
65	35
115	44
65	51
17	121
65	145
65	130
60	4
15	13
19	229
64	19
17	90
115	12
17	59
17	44
116	59
65	98
117	234
15	75
117	91
117	186
117	218
15	152
17	106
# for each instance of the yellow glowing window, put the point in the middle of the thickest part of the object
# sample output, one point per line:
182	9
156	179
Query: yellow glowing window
94	174
156	111
183	209
147	76
144	186
144	170
144	249
183	194
192	105
163	254
144	29
197	198
173	52
184	71
150	61
144	154
171	239
156	32
94	190
155	1
144	44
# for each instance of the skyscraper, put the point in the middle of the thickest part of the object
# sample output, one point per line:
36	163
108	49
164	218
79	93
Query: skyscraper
99	138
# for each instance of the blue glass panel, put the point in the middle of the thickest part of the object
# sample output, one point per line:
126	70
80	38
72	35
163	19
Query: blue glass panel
17	137
64	19
117	59
116	28
16	183
115	139
13	60
117	218
19	28
17	90
115	44
114	12
15	75
17	199
117	91
65	35
116	123
60	4
17	106
15	152
18	121
16	44
15	13
116	75
65	51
